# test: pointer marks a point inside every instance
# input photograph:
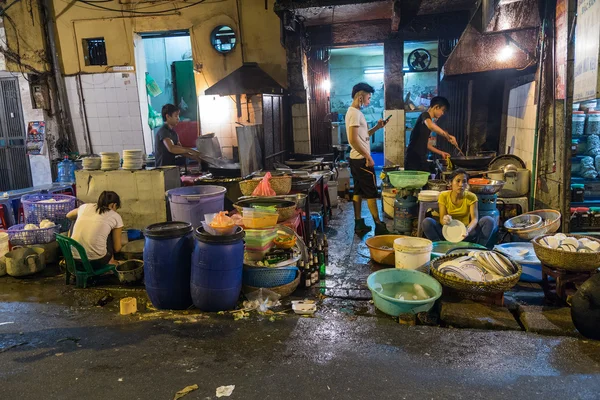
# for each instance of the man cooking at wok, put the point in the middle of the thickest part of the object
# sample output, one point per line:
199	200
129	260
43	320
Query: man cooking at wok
419	145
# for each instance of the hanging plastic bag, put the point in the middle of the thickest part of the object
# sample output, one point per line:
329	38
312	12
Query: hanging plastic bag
154	118
183	105
152	87
264	188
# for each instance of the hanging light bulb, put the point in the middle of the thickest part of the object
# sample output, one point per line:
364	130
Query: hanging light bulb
326	85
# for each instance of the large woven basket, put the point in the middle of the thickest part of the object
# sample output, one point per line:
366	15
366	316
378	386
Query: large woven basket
283	291
486	288
566	260
282	185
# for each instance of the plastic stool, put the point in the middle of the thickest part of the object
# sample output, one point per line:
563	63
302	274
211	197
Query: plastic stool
3	224
317	220
423	207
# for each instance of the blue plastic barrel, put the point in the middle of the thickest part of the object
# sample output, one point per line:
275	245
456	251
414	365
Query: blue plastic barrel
167	262
217	265
190	203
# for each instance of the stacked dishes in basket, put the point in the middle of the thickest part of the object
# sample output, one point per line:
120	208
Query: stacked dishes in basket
478	266
92	163
110	161
133	159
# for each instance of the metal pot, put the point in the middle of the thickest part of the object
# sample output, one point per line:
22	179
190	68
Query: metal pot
517	181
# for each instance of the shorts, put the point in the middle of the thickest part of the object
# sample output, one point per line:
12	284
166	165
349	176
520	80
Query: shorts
365	182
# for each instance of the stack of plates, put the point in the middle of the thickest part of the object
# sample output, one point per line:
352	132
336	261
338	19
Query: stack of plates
429	195
110	161
133	159
91	163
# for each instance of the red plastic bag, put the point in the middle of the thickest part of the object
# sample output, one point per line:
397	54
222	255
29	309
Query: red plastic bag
264	188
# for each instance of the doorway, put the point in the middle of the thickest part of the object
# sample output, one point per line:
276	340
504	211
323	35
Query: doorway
166	76
15	172
347	67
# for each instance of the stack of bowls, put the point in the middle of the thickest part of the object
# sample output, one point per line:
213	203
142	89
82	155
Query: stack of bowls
110	161
91	163
133	159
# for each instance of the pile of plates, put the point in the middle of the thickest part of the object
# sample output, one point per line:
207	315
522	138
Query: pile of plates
478	266
91	163
429	195
110	161
133	159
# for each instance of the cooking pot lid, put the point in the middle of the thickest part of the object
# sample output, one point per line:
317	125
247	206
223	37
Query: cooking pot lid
506	159
206	237
168	229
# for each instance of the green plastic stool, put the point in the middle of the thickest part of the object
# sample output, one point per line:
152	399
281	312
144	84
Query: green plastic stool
81	277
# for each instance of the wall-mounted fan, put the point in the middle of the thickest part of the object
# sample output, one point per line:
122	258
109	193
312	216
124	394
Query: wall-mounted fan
419	60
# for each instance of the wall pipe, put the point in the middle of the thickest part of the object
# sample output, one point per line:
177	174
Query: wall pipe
64	112
533	183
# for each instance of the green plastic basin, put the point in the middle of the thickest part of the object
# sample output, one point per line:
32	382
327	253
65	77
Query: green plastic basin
408	179
441	248
395	307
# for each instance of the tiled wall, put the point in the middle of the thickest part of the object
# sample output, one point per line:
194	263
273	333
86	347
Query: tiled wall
520	124
394	141
218	115
112	107
301	129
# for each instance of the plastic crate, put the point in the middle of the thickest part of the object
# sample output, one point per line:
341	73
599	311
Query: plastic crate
36	209
18	236
269	277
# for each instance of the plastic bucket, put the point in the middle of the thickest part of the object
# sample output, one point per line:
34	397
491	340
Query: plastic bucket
167	263
332	186
189	204
388	196
412	252
217	266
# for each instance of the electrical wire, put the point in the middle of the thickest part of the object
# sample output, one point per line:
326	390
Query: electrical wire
8	6
91	3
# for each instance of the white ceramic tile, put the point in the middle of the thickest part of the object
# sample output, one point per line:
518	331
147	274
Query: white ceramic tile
91	110
102	110
110	95
132	95
116	137
134	109
114	123
93	125
112	109
87	81
124	124
135	124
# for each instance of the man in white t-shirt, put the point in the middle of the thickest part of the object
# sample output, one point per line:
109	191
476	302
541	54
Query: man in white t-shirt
361	162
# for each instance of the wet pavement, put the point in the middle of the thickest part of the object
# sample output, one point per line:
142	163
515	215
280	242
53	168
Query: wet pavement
56	343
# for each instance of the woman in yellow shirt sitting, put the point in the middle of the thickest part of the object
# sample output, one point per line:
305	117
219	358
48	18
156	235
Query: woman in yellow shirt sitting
458	203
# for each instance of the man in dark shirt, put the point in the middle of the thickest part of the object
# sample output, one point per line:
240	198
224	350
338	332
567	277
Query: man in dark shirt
416	153
167	146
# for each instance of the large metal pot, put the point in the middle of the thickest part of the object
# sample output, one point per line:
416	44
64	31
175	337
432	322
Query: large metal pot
517	181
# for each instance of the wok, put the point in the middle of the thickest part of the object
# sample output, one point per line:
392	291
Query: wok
472	162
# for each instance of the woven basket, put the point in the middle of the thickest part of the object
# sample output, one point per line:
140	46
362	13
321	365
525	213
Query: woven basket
283	291
566	260
486	288
282	185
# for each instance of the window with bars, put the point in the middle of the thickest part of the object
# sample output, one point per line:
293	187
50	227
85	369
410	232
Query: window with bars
94	51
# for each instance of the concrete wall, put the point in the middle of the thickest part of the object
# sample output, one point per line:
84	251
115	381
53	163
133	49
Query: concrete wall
259	42
520	123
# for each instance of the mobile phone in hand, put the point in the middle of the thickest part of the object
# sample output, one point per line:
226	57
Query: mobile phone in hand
387	119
